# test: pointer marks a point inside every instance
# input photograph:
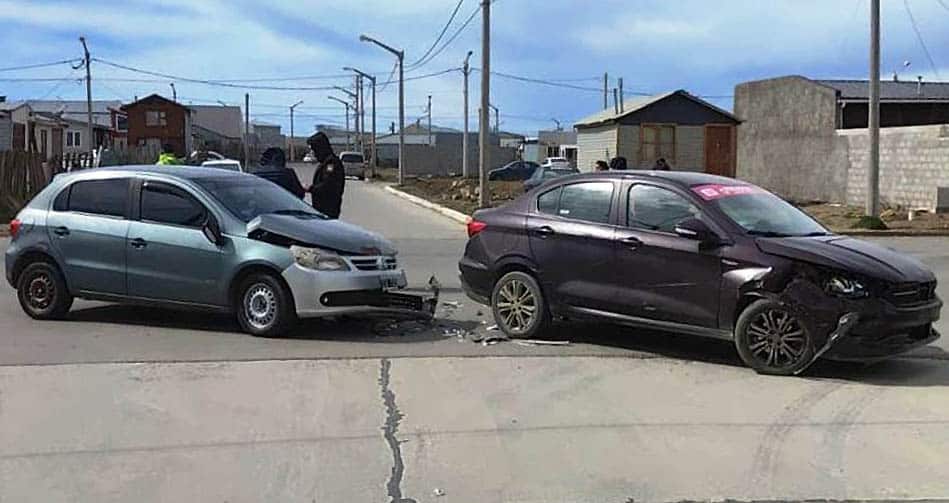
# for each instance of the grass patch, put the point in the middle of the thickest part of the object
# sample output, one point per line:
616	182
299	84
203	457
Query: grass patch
871	223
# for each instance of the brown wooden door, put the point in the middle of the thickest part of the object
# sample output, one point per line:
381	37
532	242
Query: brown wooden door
57	145
719	150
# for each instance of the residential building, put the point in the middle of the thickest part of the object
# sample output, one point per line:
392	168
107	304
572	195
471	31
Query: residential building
107	121
218	128
155	121
510	140
806	139
439	154
267	135
6	126
688	132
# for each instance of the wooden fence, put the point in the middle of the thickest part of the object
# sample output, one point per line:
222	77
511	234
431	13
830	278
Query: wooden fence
22	176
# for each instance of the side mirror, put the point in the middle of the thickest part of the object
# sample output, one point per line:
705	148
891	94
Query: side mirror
693	228
212	231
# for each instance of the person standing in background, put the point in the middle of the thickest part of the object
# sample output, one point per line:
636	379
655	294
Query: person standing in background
329	179
601	166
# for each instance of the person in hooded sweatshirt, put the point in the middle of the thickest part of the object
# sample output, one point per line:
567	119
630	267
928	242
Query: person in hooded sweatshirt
273	167
329	179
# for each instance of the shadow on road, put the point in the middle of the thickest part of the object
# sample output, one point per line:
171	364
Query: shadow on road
928	366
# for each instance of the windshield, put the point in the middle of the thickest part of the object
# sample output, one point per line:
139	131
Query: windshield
760	212
248	197
351	158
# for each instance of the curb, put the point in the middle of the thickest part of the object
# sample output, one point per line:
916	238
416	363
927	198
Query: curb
437	208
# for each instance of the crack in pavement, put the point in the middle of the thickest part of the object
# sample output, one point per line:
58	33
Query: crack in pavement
389	430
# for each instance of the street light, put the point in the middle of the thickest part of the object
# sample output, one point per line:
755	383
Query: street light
292	150
356	108
373	163
401	57
559	128
346	104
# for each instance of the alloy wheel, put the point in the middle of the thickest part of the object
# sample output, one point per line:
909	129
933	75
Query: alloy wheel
260	306
41	291
517	306
777	339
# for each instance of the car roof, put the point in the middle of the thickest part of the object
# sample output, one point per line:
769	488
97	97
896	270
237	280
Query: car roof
682	178
173	171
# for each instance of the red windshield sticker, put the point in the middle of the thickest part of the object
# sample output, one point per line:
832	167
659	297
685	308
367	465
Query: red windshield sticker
712	192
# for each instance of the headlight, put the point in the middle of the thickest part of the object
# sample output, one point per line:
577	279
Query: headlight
318	259
845	287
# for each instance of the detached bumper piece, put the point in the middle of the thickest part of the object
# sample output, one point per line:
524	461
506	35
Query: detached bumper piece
383	300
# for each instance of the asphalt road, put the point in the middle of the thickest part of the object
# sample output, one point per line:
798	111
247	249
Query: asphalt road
129	404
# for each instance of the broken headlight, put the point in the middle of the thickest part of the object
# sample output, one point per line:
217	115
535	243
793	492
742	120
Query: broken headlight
318	259
842	286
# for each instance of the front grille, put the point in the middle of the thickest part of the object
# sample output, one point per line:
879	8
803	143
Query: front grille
912	294
374	263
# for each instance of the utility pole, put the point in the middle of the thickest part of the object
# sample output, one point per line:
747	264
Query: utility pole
362	111
92	142
873	175
615	101
464	140
429	120
497	118
373	163
292	146
621	97
606	90
174	92
400	55
246	129
484	198
345	104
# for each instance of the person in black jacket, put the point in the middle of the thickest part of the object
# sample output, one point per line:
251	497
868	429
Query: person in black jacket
618	163
273	167
329	179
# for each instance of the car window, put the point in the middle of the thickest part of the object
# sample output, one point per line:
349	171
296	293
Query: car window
548	201
658	209
587	201
100	197
169	205
351	158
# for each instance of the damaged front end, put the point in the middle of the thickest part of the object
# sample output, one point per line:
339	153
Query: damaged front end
849	317
341	269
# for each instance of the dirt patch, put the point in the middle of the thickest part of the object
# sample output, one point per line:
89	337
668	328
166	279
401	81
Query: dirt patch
460	194
843	218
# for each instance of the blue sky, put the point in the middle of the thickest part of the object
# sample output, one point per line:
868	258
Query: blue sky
705	47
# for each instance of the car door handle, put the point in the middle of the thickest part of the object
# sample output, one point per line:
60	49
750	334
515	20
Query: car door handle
632	242
61	231
138	243
544	231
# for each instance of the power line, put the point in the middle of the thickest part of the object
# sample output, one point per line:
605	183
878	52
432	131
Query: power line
440	35
532	80
944	4
39	65
450	40
919	36
210	82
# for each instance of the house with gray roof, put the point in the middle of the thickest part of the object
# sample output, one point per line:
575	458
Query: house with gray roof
688	132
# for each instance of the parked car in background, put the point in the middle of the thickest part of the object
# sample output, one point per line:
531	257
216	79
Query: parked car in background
309	157
696	254
228	164
513	171
544	173
557	162
354	164
197	238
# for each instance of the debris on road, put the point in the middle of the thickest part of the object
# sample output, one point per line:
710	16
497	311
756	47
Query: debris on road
492	328
438	492
538	342
454	304
479	313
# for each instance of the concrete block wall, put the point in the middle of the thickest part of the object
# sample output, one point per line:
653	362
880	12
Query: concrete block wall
914	164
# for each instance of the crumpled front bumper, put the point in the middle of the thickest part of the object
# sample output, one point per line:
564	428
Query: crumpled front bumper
885	332
332	293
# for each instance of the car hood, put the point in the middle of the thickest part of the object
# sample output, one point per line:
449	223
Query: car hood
331	234
851	255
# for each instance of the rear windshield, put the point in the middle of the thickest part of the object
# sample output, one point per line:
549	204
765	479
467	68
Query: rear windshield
351	158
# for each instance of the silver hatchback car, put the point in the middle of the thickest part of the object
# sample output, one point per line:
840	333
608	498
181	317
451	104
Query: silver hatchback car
190	237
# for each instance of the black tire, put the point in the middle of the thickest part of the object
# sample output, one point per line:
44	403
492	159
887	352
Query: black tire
42	292
774	339
519	307
264	306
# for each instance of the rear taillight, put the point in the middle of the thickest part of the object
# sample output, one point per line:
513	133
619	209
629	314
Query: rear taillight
15	227
474	227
